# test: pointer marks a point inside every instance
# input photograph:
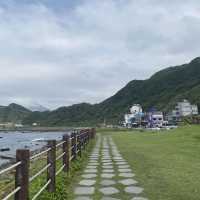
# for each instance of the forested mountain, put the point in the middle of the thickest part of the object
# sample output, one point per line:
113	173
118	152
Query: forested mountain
13	113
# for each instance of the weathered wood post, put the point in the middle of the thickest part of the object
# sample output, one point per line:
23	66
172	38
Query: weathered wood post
22	174
80	144
66	157
85	139
74	145
51	171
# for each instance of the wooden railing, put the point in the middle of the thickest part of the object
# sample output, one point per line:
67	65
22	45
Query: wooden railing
69	148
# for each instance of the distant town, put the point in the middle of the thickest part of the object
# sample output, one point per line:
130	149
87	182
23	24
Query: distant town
158	119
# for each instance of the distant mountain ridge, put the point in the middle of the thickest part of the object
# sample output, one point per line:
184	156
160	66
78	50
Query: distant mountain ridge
13	113
162	90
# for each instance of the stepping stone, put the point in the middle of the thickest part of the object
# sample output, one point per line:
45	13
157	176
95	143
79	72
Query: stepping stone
83	198
116	155
123	166
124	170
127	175
128	182
133	190
90	171
91	167
108	171
108	163
93	163
108	167
89	175
109	198
121	163
87	182
139	198
107	182
109	190
84	190
106	175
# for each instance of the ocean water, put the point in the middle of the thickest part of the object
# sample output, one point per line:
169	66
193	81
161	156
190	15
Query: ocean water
21	140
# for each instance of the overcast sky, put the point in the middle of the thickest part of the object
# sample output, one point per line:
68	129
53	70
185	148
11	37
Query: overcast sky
60	52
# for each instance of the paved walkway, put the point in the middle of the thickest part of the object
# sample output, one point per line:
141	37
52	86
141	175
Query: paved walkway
108	176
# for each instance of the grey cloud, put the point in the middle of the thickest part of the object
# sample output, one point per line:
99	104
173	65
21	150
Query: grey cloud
93	49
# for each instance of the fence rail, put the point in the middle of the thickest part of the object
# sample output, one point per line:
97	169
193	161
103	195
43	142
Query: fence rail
71	146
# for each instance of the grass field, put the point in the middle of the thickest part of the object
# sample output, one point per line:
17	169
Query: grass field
166	163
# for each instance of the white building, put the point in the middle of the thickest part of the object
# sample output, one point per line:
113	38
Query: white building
134	117
185	108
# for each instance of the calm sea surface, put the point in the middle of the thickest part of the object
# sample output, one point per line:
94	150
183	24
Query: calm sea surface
30	140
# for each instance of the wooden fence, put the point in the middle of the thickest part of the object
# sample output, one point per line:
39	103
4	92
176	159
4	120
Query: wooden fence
71	146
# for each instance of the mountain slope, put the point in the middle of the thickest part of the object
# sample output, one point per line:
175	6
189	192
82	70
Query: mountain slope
162	91
13	113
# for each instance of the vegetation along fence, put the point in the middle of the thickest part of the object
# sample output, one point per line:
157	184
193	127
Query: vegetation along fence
66	151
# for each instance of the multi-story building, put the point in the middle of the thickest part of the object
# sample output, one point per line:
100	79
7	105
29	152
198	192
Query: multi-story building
155	119
185	108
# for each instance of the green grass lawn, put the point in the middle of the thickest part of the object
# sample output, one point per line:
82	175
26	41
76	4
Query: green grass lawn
166	163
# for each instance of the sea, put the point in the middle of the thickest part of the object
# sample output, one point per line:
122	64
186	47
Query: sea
11	141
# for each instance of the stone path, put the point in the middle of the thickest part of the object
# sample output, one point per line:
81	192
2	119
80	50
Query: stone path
108	176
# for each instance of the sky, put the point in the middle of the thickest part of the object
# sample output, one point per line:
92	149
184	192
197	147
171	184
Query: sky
57	53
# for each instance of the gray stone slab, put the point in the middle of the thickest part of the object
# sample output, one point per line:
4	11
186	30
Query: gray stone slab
108	171
107	175
90	171
87	182
91	167
123	166
126	175
106	157
108	163
139	198
121	163
124	170
89	176
93	164
133	189
108	167
118	158
109	198
82	198
84	190
128	181
107	182
109	190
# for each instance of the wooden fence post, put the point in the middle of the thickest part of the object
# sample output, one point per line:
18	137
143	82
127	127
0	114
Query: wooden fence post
51	171
66	157
80	143
74	145
22	174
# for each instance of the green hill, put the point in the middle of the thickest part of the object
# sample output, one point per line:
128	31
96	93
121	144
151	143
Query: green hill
13	113
162	91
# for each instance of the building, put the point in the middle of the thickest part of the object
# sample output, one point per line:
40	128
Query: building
185	108
134	117
155	119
